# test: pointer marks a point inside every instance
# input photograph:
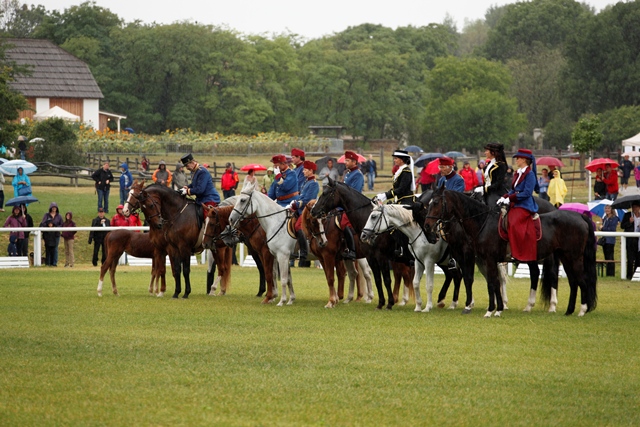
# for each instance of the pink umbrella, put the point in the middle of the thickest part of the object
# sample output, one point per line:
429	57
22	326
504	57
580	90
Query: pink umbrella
576	207
549	161
254	166
361	159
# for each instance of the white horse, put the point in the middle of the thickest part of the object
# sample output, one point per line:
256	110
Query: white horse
273	219
427	255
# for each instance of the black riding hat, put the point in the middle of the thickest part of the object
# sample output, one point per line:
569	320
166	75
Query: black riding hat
186	159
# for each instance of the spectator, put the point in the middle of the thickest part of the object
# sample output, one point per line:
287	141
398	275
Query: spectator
609	223
267	180
25	243
372	171
480	172
469	176
626	167
631	223
119	220
250	179
103	179
144	164
161	175
543	183
68	236
51	238
21	184
22	146
97	237
15	220
426	180
599	188
179	178
126	179
229	181
557	190
134	220
611	180
636	173
2	181
328	172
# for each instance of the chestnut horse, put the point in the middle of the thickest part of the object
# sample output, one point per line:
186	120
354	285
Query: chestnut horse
136	244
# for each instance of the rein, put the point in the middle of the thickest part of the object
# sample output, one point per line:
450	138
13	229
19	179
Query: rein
243	214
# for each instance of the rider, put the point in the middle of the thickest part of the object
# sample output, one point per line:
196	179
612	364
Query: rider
308	192
523	211
449	178
201	184
285	183
297	158
494	174
404	184
353	178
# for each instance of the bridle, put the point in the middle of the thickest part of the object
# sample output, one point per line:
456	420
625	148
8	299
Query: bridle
243	214
438	227
330	195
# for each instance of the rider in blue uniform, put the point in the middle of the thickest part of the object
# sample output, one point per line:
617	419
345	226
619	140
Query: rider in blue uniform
285	184
353	178
309	192
201	184
297	158
449	179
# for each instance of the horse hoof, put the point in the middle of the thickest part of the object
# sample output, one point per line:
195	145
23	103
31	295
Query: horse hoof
176	296
527	309
160	295
552	309
99	294
185	297
498	314
487	315
453	305
402	303
441	304
466	310
329	305
426	310
347	301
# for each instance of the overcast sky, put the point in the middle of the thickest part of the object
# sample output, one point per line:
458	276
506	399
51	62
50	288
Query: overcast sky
311	19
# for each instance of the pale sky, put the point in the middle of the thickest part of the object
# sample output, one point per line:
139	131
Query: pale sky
310	19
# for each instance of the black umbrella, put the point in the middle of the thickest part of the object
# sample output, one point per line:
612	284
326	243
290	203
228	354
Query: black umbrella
626	201
426	158
322	162
455	154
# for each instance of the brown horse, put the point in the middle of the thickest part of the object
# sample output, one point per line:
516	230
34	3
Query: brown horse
325	241
252	235
136	244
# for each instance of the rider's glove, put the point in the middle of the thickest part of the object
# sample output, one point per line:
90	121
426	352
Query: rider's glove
381	197
503	201
183	191
479	189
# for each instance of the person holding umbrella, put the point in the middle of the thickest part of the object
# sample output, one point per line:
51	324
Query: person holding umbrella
609	223
631	223
16	220
611	179
21	184
2	181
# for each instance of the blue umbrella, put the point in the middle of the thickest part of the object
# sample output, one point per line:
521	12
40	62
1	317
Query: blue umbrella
455	154
130	130
426	158
17	201
11	167
413	149
597	208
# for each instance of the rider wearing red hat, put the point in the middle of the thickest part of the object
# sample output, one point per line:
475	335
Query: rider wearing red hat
449	178
354	178
308	192
297	158
285	185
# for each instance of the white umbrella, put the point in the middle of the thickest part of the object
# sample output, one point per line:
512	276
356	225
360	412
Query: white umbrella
11	167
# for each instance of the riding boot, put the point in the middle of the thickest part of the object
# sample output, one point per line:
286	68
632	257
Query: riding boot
302	242
350	251
398	252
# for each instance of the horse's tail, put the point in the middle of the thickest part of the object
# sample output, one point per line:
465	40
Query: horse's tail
549	279
589	266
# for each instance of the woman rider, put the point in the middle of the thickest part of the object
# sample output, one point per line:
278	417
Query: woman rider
494	174
524	225
404	184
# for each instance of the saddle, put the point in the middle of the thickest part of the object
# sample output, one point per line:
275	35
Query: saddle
291	225
503	224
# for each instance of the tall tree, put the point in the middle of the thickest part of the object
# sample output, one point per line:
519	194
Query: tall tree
19	20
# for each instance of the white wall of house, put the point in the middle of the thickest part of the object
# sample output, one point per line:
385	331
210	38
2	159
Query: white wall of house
42	104
91	112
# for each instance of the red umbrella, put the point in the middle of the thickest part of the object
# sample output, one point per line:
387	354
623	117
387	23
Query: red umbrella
433	167
549	161
596	164
361	159
254	166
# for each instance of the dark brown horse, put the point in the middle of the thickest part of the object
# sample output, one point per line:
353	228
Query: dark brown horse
326	243
136	244
175	224
252	235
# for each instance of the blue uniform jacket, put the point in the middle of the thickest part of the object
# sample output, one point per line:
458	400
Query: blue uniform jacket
455	183
300	176
521	195
309	191
354	179
287	184
202	186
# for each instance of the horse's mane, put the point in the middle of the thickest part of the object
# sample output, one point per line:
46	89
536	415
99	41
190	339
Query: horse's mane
353	191
405	215
470	206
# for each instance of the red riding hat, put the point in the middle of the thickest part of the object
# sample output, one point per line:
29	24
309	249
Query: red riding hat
310	165
278	158
351	155
297	152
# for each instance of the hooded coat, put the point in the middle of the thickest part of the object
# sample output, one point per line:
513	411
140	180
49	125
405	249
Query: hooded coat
126	179
51	238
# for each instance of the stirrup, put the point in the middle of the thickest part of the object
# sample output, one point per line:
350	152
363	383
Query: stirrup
452	264
349	254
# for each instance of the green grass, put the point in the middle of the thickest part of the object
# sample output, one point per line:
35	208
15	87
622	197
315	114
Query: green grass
71	358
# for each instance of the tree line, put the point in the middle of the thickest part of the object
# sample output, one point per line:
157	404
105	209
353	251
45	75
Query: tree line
542	64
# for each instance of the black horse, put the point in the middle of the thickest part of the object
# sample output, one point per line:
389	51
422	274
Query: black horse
358	207
568	235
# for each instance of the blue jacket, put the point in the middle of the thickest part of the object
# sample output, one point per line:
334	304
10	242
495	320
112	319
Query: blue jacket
521	194
202	186
300	176
610	224
354	179
310	190
126	178
281	187
16	180
454	183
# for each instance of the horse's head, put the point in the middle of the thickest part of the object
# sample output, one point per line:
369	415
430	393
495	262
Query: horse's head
313	226
436	211
133	203
242	208
328	201
376	225
213	226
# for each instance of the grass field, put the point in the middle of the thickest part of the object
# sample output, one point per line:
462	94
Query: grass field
71	358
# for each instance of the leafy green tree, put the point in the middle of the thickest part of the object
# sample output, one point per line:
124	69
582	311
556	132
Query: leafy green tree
11	103
619	124
20	20
587	134
59	146
474	35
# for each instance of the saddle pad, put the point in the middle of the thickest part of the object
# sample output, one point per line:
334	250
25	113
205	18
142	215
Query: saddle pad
291	224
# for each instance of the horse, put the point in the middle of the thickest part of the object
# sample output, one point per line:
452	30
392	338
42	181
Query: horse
326	243
396	217
253	237
567	235
273	219
174	225
136	244
358	208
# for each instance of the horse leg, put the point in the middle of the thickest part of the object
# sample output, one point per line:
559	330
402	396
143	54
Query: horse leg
417	277
283	269
502	269
572	276
407	277
211	271
397	282
457	278
429	270
386	276
442	295
329	265
365	271
350	266
161	271
292	294
262	287
226	274
377	275
534	275
493	288
341	273
186	271
176	268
